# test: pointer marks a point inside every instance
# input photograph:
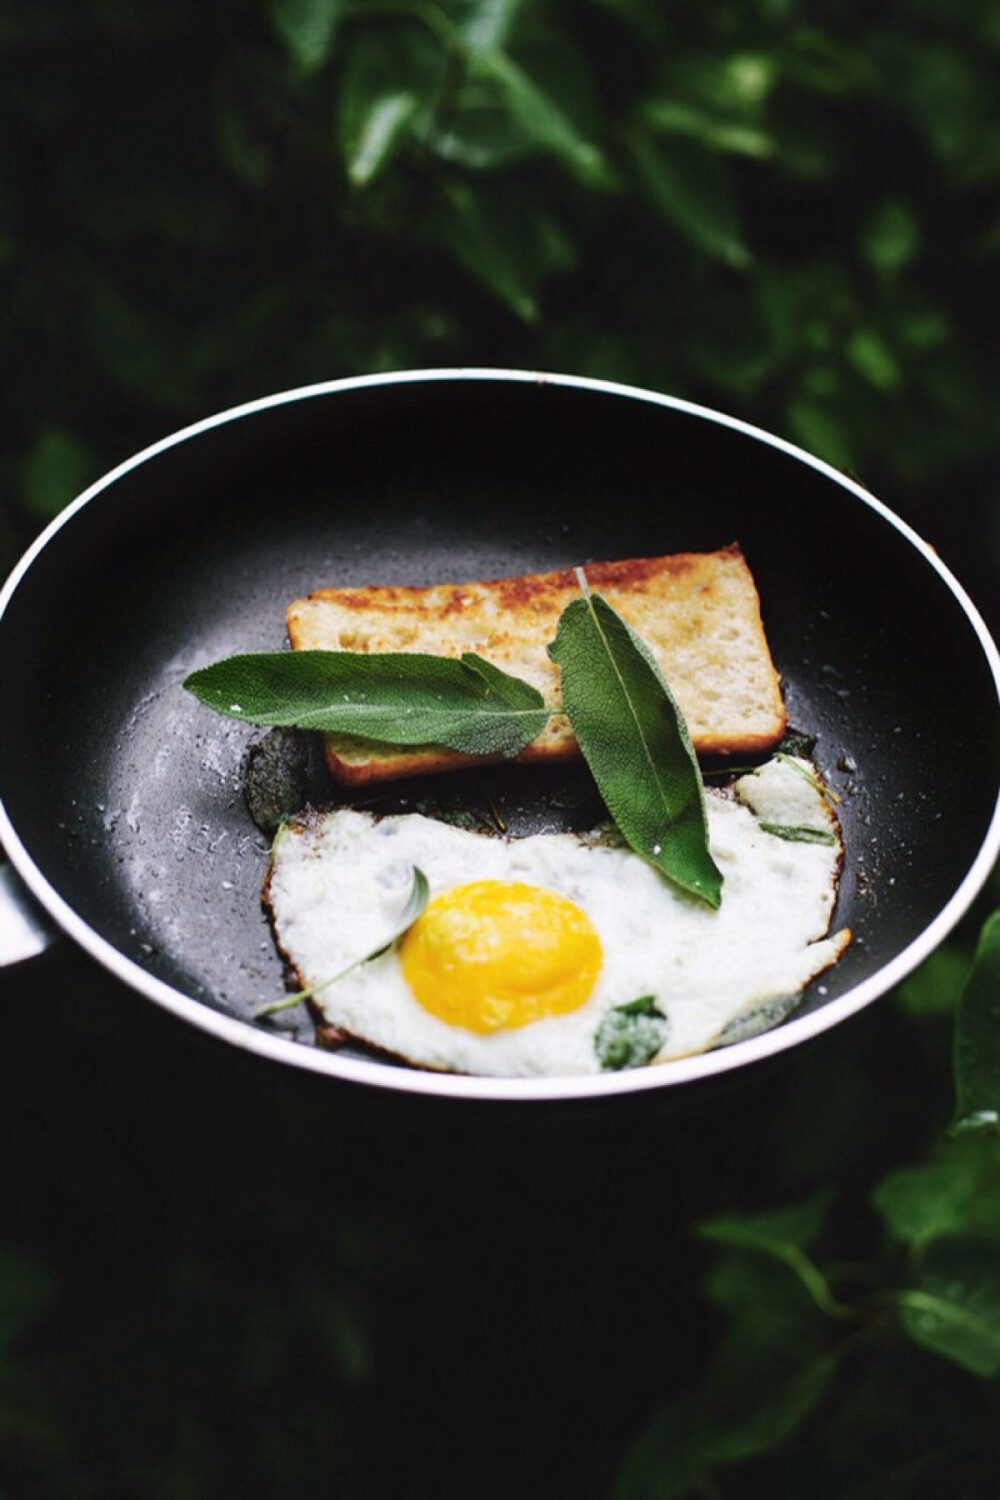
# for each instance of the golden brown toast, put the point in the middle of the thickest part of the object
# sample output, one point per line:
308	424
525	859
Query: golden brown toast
697	612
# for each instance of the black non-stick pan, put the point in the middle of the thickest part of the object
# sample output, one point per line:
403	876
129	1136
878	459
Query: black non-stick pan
122	798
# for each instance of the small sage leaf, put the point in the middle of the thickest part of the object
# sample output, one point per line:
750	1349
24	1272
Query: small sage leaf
977	1038
635	741
631	1035
796	743
799	833
807	774
397	698
415	903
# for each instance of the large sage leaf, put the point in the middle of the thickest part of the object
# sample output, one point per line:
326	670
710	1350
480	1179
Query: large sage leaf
977	1037
397	698
634	739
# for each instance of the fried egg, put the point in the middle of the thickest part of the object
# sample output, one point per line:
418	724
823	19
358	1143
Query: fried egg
559	953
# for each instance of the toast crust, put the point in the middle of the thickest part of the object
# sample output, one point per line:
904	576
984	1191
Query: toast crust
698	612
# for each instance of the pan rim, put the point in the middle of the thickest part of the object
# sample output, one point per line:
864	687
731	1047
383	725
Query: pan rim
258	1041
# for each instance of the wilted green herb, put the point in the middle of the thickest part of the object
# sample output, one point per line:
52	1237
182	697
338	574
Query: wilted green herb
796	742
415	904
631	1035
805	772
800	833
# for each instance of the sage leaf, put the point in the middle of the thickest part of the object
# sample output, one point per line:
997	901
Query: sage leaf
799	833
631	1035
634	739
415	903
976	1058
397	698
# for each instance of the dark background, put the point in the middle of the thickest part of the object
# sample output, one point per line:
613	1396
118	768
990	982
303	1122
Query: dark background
217	1279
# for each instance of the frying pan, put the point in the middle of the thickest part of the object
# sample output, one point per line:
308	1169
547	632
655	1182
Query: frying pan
122	808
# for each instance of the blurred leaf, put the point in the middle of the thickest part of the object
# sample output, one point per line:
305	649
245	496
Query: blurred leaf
719	101
57	468
872	358
782	1234
307	28
822	63
387	82
953	1307
957	1192
751	1401
545	121
377	134
765	1377
479	132
898	1426
254	98
508	249
933	989
820	431
946	95
691	188
925	327
485	25
891	237
775	1231
977	1038
670	117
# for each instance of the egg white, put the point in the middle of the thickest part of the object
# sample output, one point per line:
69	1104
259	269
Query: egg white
338	882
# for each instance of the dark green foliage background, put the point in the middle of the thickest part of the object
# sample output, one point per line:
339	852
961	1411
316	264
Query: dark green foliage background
786	210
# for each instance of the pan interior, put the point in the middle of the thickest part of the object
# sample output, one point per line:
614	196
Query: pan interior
128	794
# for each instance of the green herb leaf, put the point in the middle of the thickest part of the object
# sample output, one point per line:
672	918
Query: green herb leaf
977	1038
796	743
416	901
635	741
955	1193
807	774
955	1307
766	1374
545	120
307	28
631	1035
398	698
782	1234
378	135
800	833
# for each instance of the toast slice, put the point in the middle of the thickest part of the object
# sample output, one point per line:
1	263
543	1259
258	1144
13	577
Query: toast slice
698	613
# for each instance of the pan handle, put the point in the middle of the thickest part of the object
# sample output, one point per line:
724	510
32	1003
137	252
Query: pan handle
25	930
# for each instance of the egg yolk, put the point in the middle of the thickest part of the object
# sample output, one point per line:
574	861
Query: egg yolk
495	953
